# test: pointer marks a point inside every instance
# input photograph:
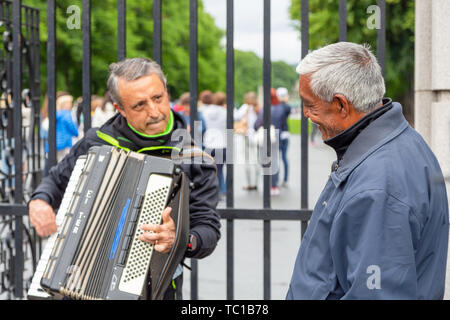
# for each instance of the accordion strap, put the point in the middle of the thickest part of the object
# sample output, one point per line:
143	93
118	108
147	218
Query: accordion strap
188	151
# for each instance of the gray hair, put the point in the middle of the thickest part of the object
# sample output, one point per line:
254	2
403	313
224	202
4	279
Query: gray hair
346	68
131	69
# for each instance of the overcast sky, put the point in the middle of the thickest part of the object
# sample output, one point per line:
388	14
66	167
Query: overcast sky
249	23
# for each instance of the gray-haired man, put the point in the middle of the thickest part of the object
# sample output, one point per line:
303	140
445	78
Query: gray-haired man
380	227
145	123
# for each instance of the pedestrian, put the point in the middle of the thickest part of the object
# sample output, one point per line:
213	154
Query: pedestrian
283	96
245	118
184	109
278	118
103	112
215	139
380	227
144	123
66	128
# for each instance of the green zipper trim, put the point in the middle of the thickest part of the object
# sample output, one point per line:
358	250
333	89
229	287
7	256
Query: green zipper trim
124	139
175	289
116	143
158	148
110	140
168	129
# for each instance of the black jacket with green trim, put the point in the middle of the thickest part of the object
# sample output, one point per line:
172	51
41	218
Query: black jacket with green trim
199	167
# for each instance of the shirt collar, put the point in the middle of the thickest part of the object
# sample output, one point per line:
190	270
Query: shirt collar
342	141
379	132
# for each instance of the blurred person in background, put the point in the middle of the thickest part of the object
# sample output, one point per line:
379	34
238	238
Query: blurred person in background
278	118
103	112
245	118
215	141
183	107
283	96
66	127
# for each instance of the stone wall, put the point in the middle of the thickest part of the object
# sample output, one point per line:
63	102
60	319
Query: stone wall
432	78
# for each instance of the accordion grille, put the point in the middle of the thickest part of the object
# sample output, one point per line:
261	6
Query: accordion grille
151	213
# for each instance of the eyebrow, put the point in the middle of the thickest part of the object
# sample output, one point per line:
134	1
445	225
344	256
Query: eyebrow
136	104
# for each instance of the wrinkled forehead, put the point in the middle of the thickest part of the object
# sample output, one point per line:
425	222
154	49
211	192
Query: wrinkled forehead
150	84
305	88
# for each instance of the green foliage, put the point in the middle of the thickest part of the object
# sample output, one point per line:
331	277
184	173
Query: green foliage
248	73
283	75
324	26
139	38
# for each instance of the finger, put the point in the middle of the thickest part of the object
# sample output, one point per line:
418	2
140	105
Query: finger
47	226
47	230
149	237
166	215
162	247
149	227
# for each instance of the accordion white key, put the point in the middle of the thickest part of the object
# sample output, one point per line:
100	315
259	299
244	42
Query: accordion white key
96	253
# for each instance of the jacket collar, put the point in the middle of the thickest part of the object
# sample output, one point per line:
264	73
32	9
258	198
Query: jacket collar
117	132
342	141
375	135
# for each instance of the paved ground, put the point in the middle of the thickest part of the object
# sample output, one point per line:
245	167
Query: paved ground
285	236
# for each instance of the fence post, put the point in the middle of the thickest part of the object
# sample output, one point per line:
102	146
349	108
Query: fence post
17	104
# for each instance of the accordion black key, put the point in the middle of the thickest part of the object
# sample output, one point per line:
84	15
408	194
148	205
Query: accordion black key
96	253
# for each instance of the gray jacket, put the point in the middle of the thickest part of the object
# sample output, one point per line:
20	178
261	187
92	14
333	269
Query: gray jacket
380	227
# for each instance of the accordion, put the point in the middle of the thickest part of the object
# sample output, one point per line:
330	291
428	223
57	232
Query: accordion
96	253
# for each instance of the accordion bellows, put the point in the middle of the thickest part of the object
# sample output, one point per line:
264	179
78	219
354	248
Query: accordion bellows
96	253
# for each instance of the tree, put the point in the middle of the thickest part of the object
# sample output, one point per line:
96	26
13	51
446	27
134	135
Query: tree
324	26
139	37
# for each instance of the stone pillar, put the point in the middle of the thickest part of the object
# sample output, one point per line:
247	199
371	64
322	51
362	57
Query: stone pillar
432	78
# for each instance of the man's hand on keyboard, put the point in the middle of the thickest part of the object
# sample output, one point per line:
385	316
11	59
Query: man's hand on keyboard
161	235
42	217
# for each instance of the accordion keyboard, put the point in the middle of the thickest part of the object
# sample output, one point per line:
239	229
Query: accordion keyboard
35	291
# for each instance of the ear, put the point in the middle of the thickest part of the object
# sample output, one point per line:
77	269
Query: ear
118	108
344	107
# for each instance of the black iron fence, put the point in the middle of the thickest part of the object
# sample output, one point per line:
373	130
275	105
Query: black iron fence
21	51
19	143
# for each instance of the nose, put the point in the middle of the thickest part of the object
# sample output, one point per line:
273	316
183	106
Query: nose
152	110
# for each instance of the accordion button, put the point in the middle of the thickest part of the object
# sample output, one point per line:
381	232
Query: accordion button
126	243
138	201
130	229
134	214
122	257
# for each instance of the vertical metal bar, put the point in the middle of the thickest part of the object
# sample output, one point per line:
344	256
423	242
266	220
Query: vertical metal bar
34	123
342	20
17	103
37	81
230	99
193	69
381	36
230	146
194	279
51	81
38	101
267	122
121	30
35	120
157	26
86	72
304	121
193	62
267	118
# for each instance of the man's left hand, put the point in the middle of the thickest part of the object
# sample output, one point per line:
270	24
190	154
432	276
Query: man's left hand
161	235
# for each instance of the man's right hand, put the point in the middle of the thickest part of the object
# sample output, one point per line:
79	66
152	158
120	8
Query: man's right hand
42	217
